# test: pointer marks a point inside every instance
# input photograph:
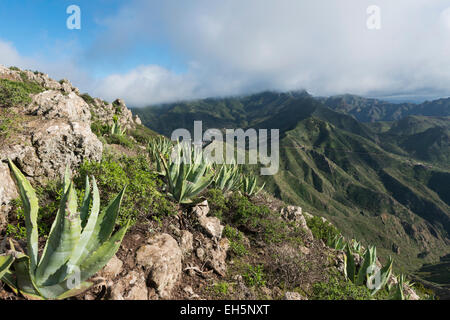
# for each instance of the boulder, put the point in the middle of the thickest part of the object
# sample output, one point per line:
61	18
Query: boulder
112	269
161	258
59	142
186	242
43	151
294	296
54	105
292	213
130	287
211	225
216	255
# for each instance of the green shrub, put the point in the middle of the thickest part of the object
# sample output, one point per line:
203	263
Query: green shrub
142	198
254	276
337	289
99	128
14	68
322	229
13	93
221	288
245	212
87	98
236	239
217	202
120	140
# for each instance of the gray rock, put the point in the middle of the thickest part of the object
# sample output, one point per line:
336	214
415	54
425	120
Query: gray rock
294	296
130	287
161	258
292	213
211	225
53	105
186	242
112	269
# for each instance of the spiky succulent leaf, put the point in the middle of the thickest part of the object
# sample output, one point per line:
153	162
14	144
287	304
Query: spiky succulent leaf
31	208
351	266
5	264
98	259
104	226
64	236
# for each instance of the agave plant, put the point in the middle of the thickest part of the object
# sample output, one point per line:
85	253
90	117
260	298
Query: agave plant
116	129
227	178
337	243
368	273
187	173
396	293
80	243
250	185
156	147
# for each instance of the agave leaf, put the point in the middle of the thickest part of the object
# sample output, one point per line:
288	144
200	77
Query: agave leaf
31	207
64	236
84	211
5	263
76	291
24	281
103	254
104	227
351	267
80	249
385	274
362	274
62	290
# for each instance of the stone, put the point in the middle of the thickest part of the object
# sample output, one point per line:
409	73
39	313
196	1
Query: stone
161	258
58	143
200	253
216	256
186	242
292	213
211	225
201	209
130	287
294	296
53	104
112	269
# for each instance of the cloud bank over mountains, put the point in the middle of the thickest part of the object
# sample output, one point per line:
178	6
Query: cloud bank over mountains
237	47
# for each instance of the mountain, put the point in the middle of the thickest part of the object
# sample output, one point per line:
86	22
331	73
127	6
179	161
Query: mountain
215	244
385	182
370	110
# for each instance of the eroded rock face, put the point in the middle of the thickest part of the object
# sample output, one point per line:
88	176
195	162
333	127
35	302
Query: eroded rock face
54	105
161	258
211	225
8	191
60	142
130	287
43	152
112	269
294	296
292	213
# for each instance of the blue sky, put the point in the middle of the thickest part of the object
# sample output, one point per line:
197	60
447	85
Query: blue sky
153	51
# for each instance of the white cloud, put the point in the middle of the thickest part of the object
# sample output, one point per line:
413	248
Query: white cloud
235	47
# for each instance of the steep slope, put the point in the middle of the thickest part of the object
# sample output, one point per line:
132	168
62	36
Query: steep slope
382	182
370	110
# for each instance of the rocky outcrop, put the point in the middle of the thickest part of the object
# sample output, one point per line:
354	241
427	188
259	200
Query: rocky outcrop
292	213
211	225
161	259
130	287
56	105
